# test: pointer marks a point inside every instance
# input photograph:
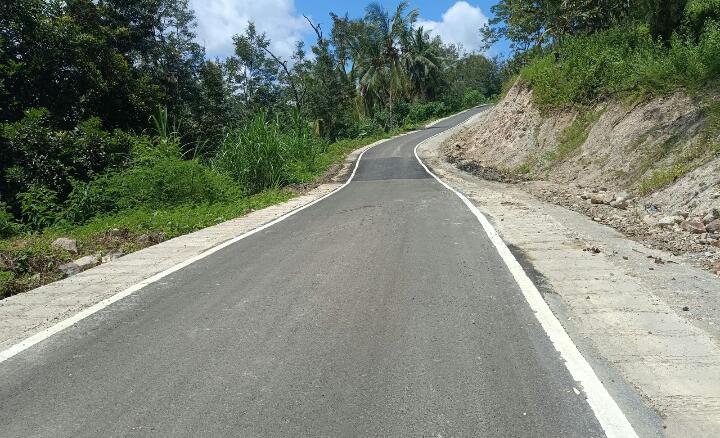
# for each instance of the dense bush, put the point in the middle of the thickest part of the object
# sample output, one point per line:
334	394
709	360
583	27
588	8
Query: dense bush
366	127
699	14
34	154
472	98
589	67
254	156
8	227
424	111
39	206
154	185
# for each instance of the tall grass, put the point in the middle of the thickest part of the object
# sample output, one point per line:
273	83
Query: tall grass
265	153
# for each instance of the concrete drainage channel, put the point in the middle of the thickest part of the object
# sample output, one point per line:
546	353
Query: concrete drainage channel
628	324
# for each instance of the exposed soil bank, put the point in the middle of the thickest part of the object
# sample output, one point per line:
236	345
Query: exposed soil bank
651	169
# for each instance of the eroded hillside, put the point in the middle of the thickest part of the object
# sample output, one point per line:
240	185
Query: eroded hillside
650	168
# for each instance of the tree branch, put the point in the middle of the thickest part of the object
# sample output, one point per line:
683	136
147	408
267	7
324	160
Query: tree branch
316	28
285	67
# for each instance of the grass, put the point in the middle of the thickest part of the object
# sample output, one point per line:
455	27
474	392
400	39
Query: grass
661	178
705	149
621	61
694	157
574	135
522	169
28	261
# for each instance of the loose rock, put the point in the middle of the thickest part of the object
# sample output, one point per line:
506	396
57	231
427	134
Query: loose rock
650	220
592	249
669	221
711	216
623	197
112	255
601	198
621	204
713	227
69	245
693	226
69	268
152	238
87	262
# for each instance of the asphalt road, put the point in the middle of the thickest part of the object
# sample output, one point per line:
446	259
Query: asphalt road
383	310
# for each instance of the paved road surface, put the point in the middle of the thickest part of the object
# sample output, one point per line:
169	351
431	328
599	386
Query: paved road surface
380	311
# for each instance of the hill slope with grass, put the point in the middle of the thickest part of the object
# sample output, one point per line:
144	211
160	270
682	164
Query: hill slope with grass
618	125
663	149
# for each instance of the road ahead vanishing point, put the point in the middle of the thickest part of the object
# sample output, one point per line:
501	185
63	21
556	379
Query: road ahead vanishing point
382	310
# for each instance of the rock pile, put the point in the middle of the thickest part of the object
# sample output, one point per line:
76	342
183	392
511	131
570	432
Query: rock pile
696	236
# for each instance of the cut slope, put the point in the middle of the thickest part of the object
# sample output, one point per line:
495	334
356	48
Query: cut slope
650	169
660	149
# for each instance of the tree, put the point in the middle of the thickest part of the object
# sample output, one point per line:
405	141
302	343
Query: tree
476	72
422	63
213	110
330	92
534	24
254	74
378	54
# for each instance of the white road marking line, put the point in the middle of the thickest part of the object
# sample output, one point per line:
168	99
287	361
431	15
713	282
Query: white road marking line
607	412
62	325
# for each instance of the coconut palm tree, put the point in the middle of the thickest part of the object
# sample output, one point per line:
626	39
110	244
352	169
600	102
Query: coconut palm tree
380	70
422	61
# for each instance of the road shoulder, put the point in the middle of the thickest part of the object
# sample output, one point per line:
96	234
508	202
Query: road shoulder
597	284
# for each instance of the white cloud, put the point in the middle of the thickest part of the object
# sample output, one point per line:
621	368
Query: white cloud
460	24
219	20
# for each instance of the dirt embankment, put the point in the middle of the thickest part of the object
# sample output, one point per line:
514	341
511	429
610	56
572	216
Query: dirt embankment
649	168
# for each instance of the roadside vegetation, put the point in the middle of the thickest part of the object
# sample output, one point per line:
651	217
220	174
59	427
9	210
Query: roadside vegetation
580	52
577	54
117	131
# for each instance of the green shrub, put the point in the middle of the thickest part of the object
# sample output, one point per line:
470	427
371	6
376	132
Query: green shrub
7	279
8	226
35	154
39	206
386	119
401	109
254	156
366	127
588	68
266	154
699	13
158	184
420	112
473	98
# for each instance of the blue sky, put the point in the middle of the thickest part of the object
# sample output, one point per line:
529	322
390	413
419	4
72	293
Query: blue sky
282	20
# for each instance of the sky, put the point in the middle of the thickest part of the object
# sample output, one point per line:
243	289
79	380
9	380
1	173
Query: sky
283	22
